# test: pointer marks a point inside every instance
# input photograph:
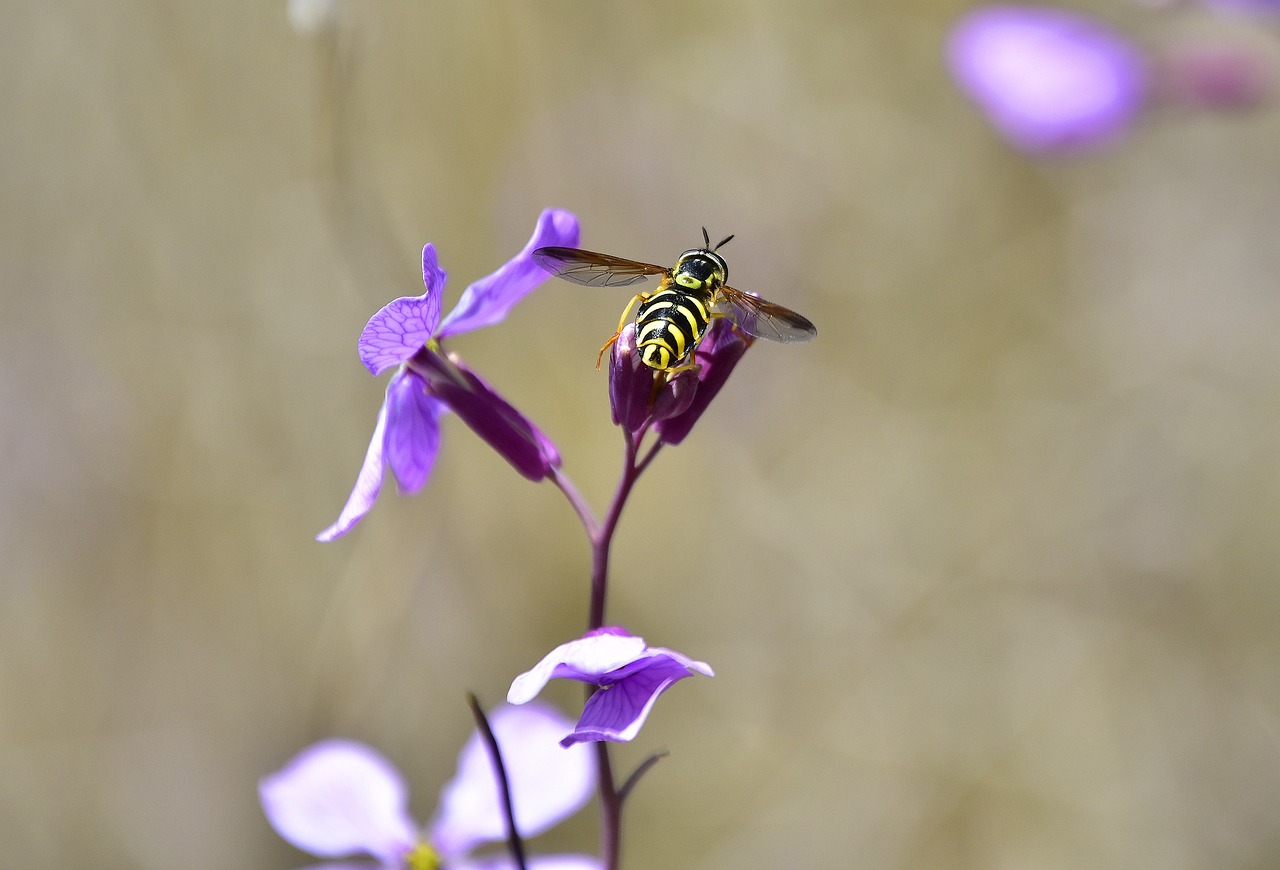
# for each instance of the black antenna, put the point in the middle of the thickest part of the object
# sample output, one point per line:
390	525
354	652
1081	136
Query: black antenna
707	241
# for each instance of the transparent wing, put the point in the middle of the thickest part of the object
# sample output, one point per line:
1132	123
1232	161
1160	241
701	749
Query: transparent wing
764	319
592	269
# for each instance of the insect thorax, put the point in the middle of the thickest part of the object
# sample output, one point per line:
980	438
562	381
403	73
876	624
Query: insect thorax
700	269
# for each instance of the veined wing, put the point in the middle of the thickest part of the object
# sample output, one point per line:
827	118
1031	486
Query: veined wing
592	269
765	319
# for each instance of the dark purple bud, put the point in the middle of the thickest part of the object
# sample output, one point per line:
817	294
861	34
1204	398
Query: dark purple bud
716	356
489	415
630	382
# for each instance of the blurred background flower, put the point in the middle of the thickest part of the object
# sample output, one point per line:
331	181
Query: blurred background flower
988	571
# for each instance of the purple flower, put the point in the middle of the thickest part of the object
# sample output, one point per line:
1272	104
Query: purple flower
629	675
678	402
1048	79
407	333
339	798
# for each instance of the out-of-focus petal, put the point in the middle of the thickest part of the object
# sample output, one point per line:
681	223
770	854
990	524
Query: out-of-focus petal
616	712
716	356
586	659
413	429
1048	79
488	300
548	784
403	326
489	415
1209	76
338	798
368	482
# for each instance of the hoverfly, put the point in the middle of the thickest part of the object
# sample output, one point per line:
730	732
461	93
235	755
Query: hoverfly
671	320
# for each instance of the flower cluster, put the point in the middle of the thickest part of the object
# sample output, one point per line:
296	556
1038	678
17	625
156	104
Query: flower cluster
407	333
340	798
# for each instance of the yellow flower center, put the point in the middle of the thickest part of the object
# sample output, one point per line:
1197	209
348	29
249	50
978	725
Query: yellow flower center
422	857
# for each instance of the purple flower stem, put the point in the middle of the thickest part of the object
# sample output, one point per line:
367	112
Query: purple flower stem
600	534
504	784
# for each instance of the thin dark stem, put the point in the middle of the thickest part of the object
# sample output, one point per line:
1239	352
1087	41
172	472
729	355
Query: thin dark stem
637	773
495	755
610	810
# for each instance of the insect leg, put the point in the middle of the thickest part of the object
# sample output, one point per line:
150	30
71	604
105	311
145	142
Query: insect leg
622	322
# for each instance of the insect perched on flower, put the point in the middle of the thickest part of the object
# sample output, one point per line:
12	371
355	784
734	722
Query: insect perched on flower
672	319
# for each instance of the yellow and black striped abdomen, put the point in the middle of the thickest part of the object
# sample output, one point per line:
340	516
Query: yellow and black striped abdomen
670	323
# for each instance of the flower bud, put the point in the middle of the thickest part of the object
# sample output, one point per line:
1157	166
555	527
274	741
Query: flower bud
630	383
715	358
489	415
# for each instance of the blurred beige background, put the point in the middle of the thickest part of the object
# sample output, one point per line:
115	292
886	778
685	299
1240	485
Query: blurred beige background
988	572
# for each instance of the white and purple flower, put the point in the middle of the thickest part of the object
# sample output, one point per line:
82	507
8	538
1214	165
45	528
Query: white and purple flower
340	798
407	333
1048	79
629	675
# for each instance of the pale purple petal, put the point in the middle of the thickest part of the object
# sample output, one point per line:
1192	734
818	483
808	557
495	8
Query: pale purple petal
586	659
368	482
548	784
403	326
339	797
533	862
1048	79
413	429
616	712
488	300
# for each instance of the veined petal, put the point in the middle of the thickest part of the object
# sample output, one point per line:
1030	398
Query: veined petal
488	300
403	326
413	429
548	784
368	482
616	712
586	659
338	798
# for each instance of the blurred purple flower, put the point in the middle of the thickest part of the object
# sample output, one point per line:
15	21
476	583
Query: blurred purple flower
1049	80
677	402
407	333
340	798
629	675
1214	76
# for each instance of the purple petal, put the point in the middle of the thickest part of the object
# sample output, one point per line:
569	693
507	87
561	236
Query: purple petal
547	784
717	355
368	482
413	429
586	659
488	300
1048	79
616	712
337	798
489	415
404	325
